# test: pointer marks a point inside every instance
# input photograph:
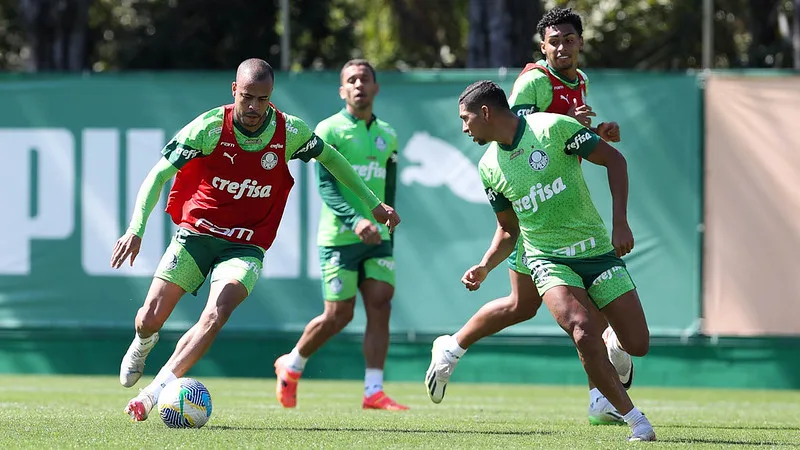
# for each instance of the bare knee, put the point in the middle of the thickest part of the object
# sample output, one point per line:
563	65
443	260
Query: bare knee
639	346
335	318
522	308
147	321
378	304
587	339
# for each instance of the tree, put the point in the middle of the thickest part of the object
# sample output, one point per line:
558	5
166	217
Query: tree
104	35
56	33
666	35
796	34
501	32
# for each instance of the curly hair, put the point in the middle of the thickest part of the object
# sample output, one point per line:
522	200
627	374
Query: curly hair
558	16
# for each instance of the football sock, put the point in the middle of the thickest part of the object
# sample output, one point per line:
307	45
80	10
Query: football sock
164	377
295	361
144	342
635	418
452	348
373	381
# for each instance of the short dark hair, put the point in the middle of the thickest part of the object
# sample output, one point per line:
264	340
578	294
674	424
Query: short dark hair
484	92
558	16
360	62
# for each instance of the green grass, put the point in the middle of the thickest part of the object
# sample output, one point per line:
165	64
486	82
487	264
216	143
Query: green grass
81	412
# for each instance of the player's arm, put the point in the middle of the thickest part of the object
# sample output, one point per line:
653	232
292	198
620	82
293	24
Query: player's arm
327	186
343	171
337	165
334	199
608	131
604	154
190	142
503	242
149	194
146	199
532	92
391	183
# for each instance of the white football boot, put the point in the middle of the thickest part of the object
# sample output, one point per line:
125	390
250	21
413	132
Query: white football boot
132	365
619	358
443	363
602	412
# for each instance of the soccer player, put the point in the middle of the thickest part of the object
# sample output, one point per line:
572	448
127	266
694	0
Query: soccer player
231	186
535	184
552	85
355	251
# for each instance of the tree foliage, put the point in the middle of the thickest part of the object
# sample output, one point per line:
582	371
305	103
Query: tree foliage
103	35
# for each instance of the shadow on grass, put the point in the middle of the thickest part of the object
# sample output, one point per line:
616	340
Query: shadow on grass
385	430
732	427
729	442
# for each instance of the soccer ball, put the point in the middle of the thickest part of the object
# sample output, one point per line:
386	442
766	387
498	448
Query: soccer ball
184	403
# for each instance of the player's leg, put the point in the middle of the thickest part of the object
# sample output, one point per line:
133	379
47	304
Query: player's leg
339	287
627	319
233	278
176	274
563	293
377	290
520	305
614	292
601	411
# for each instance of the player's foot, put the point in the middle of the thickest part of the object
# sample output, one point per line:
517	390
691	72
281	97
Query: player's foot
643	433
379	400
139	407
286	389
443	363
619	358
133	362
602	412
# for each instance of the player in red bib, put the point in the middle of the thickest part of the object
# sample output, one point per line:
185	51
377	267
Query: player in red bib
554	85
231	186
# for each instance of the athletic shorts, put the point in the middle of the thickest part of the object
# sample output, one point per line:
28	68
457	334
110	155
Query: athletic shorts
344	267
604	277
190	257
517	260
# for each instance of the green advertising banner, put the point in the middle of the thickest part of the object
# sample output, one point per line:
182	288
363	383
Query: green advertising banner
75	149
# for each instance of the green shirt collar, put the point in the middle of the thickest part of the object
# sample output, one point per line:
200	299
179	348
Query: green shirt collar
355	119
260	129
517	136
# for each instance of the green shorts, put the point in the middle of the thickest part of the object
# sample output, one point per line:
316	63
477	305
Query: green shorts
344	267
604	277
517	260
191	256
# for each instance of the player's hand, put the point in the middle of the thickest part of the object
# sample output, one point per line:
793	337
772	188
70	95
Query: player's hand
608	131
368	232
622	238
583	113
386	215
128	245
473	277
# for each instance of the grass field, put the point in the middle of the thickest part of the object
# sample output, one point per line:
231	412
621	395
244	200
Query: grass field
81	412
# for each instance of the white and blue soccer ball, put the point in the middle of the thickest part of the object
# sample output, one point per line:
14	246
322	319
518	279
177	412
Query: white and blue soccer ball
184	403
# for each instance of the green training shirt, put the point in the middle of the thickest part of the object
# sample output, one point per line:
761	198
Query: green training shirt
200	137
372	151
539	175
533	91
